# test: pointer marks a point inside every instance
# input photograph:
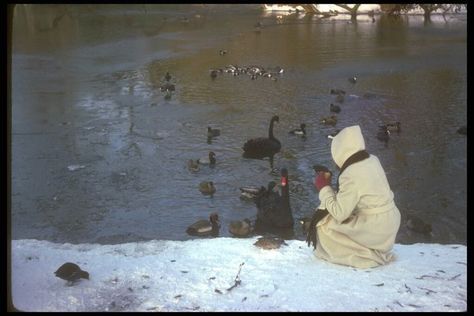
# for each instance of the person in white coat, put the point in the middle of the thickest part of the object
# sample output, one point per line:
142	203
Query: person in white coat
355	225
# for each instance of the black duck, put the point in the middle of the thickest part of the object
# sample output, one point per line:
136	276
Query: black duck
71	272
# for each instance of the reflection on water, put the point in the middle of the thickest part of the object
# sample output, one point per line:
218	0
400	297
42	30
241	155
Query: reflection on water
86	91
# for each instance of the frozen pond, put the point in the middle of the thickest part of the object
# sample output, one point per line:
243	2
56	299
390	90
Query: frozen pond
99	155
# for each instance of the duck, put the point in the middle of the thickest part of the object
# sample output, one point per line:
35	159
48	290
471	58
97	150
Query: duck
392	127
210	160
167	87
222	52
249	192
263	146
213	73
273	210
333	134
213	132
340	98
269	242
299	131
331	120
241	228
167	76
335	108
71	272
337	91
205	227
193	166
168	95
462	130
207	187
352	80
383	134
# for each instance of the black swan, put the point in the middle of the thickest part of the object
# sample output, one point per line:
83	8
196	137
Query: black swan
263	146
205	227
274	211
71	272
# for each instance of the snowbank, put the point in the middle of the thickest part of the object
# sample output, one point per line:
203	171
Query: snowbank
188	275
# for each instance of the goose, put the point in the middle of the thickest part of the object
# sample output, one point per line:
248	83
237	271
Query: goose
274	211
213	132
352	80
71	272
263	146
462	130
193	166
383	134
222	52
331	120
392	127
207	187
210	160
335	108
331	136
241	228
299	131
205	227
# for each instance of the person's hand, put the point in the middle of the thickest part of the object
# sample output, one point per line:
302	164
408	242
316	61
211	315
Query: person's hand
322	179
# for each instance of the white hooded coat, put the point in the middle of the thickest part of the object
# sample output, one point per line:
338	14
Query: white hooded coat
363	219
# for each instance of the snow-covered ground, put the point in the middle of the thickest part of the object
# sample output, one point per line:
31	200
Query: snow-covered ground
195	275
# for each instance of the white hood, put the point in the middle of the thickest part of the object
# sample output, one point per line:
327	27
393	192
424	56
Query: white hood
346	143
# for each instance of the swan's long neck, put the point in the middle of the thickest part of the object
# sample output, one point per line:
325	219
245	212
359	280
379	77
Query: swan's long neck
270	129
285	192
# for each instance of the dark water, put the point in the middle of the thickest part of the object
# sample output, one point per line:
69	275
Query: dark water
86	92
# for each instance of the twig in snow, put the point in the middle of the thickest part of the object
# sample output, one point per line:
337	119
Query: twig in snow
409	290
429	291
237	278
413	305
461	262
380	284
454	277
397	302
218	291
427	276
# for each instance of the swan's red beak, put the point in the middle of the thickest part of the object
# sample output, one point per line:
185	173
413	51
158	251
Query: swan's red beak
284	181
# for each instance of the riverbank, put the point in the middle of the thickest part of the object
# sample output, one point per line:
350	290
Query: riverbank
199	275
